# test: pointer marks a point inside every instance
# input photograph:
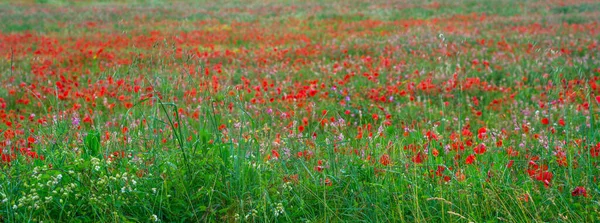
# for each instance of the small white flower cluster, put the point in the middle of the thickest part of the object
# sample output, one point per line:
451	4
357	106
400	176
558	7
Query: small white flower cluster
4	198
287	186
278	210
252	213
124	178
55	180
95	201
32	199
102	181
65	191
95	163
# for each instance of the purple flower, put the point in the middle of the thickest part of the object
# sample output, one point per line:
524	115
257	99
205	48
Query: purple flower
75	121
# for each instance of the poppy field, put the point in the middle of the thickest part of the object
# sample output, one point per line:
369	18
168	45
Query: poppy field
300	111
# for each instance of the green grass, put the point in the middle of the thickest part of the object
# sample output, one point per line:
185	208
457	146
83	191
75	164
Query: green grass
186	133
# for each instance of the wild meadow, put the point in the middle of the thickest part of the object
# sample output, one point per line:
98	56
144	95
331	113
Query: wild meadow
300	111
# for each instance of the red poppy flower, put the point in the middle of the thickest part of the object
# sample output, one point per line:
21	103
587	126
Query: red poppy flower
510	164
561	122
275	154
384	159
544	176
6	158
545	121
435	152
470	159
480	149
579	191
418	158
595	150
499	143
481	133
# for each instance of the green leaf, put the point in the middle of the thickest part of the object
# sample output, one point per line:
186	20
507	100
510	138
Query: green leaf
92	143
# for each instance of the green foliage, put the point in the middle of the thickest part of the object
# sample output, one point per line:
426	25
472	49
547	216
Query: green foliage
196	147
92	144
